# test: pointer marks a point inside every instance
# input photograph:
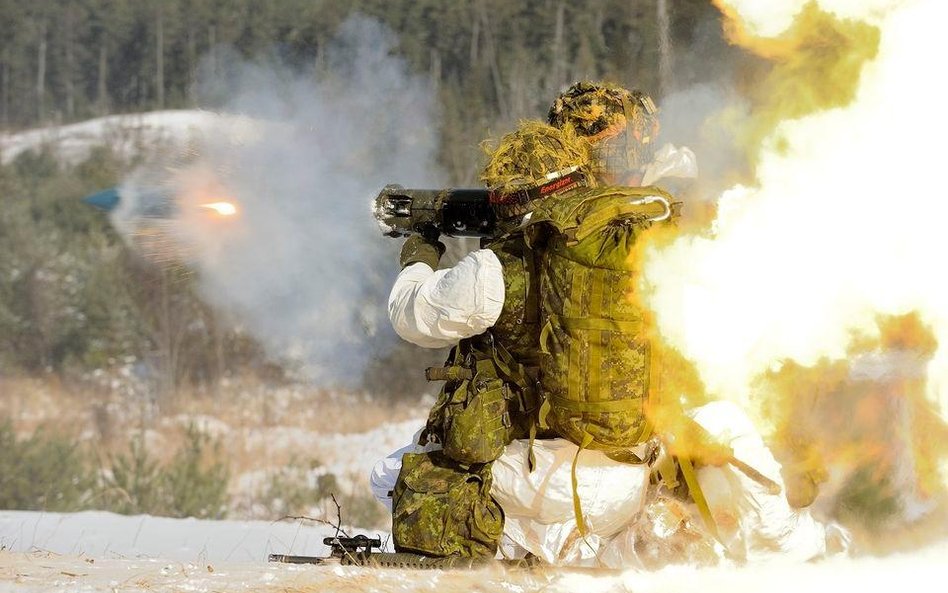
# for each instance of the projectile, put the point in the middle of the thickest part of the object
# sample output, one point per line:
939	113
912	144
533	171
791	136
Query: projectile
106	199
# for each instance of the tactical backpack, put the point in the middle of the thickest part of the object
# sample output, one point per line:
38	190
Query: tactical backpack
595	374
443	508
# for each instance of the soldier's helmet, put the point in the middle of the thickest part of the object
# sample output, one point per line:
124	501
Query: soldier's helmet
535	162
621	125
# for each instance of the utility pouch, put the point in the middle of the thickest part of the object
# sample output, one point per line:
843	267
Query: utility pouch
444	508
477	419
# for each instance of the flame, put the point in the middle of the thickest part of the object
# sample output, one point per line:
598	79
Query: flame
221	208
799	277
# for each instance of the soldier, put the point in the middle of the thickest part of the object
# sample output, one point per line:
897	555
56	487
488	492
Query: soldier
550	345
491	395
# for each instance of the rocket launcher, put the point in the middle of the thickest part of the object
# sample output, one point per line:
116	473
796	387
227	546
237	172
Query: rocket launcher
402	212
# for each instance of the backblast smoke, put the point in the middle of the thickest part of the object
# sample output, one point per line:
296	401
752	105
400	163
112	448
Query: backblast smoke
822	270
296	158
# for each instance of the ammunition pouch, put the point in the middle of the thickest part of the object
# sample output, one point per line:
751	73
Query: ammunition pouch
484	405
444	508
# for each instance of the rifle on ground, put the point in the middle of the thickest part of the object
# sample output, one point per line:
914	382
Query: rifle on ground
361	550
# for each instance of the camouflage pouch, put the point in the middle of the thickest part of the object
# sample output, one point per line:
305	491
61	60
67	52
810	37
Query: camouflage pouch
477	422
441	508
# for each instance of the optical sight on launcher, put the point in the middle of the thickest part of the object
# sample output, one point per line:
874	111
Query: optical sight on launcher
402	212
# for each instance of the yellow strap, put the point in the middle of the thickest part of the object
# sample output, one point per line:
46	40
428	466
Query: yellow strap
691	479
531	458
545	336
577	507
543	413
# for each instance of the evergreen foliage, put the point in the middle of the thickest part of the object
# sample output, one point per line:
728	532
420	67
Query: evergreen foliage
192	484
43	472
62	60
50	472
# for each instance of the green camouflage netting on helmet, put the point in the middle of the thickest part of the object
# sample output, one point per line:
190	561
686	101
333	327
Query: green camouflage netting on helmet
602	112
528	156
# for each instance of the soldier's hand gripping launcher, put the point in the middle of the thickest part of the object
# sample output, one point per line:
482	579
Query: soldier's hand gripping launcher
402	212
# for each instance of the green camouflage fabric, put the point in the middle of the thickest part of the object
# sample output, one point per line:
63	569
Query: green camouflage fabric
442	508
517	328
595	376
475	419
418	248
622	125
525	156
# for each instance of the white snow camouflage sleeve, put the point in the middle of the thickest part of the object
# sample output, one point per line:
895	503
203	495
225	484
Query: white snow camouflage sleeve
435	309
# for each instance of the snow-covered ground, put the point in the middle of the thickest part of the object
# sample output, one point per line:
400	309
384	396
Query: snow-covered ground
93	551
96	534
126	134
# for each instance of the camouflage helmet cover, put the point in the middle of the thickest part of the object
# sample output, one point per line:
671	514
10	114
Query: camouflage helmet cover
535	161
602	112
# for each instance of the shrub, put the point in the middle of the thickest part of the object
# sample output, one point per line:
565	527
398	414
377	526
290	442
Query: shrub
192	484
298	489
134	484
196	479
45	472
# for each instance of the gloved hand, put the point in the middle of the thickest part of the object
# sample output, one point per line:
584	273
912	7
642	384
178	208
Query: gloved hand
423	247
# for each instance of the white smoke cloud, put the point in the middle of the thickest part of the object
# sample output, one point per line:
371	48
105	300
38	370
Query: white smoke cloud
302	154
845	221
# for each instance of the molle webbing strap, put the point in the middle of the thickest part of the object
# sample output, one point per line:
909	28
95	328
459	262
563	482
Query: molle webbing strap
596	407
575	375
667	470
545	337
595	383
531	456
449	373
600	324
531	313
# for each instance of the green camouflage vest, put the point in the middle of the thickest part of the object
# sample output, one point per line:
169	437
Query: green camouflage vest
490	395
518	327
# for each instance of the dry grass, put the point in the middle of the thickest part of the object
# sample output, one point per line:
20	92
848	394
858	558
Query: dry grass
258	428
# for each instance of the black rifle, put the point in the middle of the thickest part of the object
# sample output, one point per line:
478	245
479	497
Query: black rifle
361	550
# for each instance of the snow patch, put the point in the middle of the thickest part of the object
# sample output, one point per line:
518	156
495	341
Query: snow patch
127	134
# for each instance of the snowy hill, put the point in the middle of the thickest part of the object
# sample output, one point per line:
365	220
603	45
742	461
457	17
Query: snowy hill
126	134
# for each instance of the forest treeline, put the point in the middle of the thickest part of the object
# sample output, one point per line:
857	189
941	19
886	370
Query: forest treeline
72	296
63	60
